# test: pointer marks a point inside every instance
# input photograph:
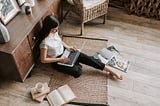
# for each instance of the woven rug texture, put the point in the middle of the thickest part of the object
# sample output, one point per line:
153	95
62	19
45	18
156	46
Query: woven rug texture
91	86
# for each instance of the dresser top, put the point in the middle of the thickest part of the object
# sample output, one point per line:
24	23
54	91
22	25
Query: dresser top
21	25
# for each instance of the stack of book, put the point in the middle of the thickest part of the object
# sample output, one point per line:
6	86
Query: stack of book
40	91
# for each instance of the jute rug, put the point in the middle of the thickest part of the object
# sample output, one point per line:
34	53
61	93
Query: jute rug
91	86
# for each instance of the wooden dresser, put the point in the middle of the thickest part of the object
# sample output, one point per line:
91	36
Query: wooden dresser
16	56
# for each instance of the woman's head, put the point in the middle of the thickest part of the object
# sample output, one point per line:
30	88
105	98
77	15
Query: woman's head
49	23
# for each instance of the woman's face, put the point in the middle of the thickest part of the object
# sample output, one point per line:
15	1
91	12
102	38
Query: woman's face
54	30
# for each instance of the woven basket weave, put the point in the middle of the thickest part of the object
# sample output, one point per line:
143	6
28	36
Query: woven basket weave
91	13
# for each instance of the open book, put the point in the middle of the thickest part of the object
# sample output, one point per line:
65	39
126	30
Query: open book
61	96
112	57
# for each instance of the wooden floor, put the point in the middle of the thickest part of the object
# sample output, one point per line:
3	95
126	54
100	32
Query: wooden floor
137	39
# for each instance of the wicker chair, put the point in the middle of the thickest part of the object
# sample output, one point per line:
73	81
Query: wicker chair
88	10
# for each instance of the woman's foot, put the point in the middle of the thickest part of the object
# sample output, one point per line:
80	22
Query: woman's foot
120	77
115	75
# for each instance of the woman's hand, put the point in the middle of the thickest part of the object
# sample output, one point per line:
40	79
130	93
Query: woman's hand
64	60
72	48
69	48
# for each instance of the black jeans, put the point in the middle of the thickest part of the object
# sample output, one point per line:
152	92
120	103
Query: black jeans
76	70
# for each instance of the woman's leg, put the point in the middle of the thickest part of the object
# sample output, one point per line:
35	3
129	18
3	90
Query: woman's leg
74	71
96	63
90	61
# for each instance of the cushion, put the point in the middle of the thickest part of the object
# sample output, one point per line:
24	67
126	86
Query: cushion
88	3
91	3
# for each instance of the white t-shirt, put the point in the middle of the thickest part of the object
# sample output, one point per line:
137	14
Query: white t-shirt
53	45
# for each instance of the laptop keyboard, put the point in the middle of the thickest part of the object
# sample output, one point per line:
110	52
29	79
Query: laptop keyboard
72	56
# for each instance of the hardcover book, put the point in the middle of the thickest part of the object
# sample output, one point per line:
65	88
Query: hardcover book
61	96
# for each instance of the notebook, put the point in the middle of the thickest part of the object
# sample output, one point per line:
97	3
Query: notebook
73	56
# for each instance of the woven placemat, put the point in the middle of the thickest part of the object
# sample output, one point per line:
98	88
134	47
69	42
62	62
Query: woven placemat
91	86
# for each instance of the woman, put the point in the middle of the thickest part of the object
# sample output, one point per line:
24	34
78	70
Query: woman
52	47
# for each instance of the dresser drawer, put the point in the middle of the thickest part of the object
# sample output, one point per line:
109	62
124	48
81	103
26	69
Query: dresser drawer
23	58
32	37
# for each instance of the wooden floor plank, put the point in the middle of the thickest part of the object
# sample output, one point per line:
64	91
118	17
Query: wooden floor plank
136	98
137	39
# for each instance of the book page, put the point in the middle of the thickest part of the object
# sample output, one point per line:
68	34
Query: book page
66	92
103	60
119	62
55	98
112	57
106	53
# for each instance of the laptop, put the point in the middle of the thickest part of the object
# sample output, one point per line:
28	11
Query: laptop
73	56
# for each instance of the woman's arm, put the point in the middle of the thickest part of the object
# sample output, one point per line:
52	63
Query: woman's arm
70	48
45	59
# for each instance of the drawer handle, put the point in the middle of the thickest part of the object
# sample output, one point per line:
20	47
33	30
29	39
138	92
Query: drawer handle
33	38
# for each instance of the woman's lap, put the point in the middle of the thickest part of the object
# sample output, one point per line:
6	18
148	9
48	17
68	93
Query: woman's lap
76	70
